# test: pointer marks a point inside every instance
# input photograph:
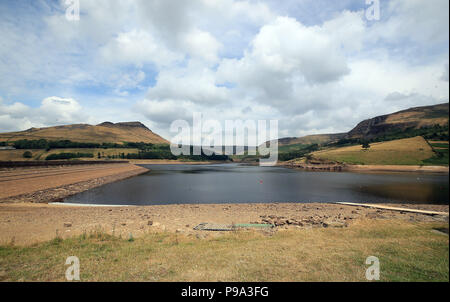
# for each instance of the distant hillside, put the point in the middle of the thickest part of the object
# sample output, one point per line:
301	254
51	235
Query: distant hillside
413	118
384	125
106	132
311	139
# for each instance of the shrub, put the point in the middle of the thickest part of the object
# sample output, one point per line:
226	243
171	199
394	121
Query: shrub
27	154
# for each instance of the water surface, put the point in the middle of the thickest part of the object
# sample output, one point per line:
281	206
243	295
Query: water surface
234	183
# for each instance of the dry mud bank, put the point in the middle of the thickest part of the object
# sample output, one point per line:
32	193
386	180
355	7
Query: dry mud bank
26	223
48	184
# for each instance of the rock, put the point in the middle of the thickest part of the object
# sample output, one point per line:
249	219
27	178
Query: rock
179	230
156	224
123	223
67	224
150	222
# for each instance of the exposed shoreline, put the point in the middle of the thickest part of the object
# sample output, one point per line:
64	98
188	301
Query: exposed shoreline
44	185
27	223
367	168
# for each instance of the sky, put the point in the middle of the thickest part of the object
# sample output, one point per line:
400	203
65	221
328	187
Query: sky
316	66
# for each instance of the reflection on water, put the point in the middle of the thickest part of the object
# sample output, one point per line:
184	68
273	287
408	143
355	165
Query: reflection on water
233	183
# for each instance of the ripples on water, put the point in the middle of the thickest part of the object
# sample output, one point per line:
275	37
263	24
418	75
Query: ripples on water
234	183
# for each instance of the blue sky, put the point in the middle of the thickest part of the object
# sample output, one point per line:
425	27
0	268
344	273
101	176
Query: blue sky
316	66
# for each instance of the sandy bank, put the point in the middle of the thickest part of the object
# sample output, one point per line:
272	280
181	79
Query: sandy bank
55	183
398	168
27	223
365	168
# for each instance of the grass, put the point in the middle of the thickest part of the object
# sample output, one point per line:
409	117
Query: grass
407	252
441	154
408	151
87	133
293	147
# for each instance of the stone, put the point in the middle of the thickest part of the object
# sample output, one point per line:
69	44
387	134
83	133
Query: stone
150	222
67	224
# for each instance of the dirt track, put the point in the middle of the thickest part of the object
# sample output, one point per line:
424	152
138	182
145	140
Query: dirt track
53	183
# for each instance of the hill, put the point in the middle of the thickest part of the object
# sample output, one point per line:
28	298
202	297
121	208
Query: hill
311	139
407	151
413	118
384	127
294	143
106	132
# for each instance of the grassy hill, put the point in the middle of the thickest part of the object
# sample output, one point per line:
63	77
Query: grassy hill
408	151
413	118
425	121
103	133
310	139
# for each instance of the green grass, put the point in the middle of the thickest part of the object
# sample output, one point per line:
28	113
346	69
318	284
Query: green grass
294	147
441	155
407	252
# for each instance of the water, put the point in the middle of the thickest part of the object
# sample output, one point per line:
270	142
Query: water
233	183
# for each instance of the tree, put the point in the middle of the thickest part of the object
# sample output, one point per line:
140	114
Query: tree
365	145
27	154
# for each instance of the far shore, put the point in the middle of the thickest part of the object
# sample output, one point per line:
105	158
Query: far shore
174	162
367	168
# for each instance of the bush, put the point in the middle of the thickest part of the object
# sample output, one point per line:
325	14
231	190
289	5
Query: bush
68	156
27	154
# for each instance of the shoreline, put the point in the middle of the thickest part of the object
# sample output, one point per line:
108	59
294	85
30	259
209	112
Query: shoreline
367	168
29	223
46	185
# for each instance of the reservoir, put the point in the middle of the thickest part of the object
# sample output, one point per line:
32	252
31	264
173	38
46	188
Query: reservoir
237	183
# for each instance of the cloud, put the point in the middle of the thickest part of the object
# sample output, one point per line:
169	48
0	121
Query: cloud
444	76
52	111
285	49
137	47
316	66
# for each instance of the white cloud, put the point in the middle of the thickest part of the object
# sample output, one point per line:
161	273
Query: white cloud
137	47
316	73
52	111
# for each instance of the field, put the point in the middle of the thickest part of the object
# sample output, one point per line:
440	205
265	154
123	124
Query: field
17	155
441	150
407	252
409	151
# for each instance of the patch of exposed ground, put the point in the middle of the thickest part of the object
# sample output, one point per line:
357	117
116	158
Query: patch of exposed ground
27	223
48	184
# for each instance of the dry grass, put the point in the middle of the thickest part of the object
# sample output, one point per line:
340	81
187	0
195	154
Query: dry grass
17	155
87	133
408	151
407	252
